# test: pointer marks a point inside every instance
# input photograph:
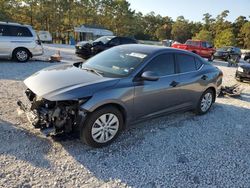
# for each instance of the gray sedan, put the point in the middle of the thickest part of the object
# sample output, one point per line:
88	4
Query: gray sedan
117	87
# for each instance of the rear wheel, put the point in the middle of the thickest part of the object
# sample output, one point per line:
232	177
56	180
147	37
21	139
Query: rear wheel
21	55
102	127
211	58
205	102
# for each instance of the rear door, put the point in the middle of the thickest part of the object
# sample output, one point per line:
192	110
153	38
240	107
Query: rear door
191	78
153	97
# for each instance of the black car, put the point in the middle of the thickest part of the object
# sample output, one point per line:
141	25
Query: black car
247	57
243	72
227	52
87	49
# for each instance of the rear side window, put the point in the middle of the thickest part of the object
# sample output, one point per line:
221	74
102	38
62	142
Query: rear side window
115	41
186	63
204	44
14	31
162	65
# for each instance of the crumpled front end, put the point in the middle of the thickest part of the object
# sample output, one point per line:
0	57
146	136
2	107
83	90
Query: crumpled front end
58	116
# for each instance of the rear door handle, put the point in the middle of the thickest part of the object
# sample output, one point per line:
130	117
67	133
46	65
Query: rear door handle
204	77
174	84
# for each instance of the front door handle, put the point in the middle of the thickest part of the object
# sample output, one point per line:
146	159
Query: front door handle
204	77
174	84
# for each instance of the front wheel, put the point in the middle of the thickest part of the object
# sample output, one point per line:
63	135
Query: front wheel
205	102
102	127
21	55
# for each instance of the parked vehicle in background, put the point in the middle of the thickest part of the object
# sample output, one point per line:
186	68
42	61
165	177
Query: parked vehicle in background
227	52
18	42
87	49
243	72
167	42
202	48
246	56
120	86
45	36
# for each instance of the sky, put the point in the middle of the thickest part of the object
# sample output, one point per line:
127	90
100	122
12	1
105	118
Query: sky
192	10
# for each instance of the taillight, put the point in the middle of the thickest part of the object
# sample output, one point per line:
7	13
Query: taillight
38	42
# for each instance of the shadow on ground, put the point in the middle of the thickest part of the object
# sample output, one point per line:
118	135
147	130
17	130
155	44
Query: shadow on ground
179	148
23	145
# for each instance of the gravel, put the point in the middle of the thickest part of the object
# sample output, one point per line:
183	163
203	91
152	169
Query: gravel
178	150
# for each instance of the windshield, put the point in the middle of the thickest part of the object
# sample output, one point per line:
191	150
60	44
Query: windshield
115	62
104	39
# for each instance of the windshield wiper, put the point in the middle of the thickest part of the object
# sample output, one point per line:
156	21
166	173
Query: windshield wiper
99	73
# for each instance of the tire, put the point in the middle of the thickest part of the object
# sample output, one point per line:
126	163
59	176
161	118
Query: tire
205	102
211	58
21	55
98	131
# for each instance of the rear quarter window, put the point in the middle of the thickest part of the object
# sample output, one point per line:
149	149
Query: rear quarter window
199	63
186	63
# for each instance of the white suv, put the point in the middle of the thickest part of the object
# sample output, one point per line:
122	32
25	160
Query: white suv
19	42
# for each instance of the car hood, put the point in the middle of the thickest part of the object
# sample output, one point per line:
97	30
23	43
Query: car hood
82	43
67	82
245	66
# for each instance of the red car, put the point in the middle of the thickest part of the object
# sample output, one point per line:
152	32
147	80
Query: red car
202	48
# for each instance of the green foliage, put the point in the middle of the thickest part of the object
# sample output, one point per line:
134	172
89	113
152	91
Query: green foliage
204	35
225	38
181	30
245	32
61	16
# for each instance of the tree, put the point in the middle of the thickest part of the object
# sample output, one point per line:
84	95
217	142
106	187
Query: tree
225	38
237	25
245	32
204	35
181	30
207	18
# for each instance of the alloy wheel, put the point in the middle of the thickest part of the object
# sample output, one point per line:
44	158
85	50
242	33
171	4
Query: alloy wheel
206	102
105	128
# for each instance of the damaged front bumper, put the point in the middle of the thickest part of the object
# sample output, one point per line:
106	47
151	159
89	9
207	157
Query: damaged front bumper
52	117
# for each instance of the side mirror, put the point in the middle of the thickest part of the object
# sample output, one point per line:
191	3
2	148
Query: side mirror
149	76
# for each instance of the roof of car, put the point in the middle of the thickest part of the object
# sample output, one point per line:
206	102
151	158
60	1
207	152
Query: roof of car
14	24
151	49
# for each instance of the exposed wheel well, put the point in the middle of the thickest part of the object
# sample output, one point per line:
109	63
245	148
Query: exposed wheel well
194	52
30	54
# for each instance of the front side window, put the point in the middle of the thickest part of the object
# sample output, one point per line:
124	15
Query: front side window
162	65
186	63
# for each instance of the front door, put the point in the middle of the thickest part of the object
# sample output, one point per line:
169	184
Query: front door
154	97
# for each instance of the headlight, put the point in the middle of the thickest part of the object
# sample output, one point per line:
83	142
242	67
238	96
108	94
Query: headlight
240	69
83	100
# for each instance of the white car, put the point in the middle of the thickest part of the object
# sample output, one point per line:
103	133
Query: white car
19	42
45	36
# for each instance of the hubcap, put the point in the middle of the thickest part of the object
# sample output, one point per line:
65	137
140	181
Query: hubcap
206	102
21	55
105	128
